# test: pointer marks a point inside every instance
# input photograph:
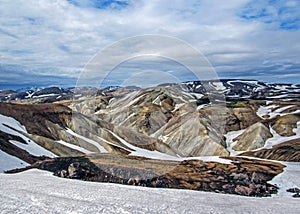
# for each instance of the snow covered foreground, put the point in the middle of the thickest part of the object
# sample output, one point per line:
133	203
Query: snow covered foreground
37	191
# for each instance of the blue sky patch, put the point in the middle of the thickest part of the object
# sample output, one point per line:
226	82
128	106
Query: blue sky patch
33	20
293	24
100	4
285	14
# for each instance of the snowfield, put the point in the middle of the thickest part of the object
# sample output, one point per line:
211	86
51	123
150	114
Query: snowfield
36	191
288	179
11	126
9	162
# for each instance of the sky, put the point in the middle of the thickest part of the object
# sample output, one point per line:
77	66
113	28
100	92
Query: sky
50	42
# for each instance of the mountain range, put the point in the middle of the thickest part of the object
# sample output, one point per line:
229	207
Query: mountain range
222	136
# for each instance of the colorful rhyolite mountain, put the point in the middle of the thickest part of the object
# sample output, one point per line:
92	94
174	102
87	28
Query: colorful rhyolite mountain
193	135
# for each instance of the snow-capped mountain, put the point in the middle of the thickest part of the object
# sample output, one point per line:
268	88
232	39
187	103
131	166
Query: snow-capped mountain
233	89
247	89
51	92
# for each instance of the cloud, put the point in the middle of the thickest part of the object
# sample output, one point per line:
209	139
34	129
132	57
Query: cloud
57	38
148	71
283	14
17	77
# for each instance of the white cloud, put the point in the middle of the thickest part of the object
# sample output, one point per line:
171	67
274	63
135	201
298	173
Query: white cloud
57	38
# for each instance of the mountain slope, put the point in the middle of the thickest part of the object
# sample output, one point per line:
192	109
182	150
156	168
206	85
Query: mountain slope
171	122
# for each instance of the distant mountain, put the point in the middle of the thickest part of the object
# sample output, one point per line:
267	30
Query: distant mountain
7	92
53	92
233	89
246	89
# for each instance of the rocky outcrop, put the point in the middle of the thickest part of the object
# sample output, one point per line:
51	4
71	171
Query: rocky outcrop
243	176
294	190
38	119
193	135
89	105
240	117
284	125
253	137
287	151
246	115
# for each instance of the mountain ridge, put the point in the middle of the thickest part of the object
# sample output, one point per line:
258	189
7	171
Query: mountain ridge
170	122
233	89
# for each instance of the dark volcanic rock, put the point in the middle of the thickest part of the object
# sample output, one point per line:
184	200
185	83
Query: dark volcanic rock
51	90
293	190
297	195
243	177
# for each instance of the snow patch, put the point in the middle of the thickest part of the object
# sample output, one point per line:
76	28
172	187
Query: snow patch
29	95
11	122
289	178
31	147
178	106
162	156
202	106
197	95
163	138
157	101
45	95
179	98
230	136
99	147
278	96
218	86
268	110
265	110
210	159
9	162
72	146
277	139
144	152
